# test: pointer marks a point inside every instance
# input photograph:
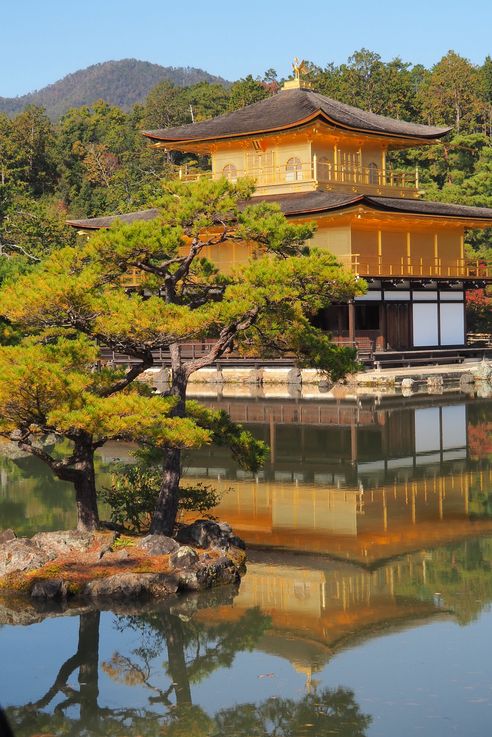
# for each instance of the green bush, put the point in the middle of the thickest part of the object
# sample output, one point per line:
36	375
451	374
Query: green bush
132	496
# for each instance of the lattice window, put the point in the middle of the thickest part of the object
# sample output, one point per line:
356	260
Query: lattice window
260	166
324	168
373	173
293	170
230	172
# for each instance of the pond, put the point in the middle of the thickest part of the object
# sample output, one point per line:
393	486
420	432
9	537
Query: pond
365	609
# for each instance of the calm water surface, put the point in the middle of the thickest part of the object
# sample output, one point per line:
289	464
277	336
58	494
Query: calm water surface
365	609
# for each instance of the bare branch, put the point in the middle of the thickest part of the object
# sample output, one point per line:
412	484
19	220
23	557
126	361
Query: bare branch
18	249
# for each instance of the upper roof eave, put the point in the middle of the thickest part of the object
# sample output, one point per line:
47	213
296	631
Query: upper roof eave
157	137
291	109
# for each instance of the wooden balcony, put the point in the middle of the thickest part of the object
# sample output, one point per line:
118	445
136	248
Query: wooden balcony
316	174
376	266
385	266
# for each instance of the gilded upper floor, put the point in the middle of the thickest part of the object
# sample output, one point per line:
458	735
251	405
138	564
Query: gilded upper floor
299	141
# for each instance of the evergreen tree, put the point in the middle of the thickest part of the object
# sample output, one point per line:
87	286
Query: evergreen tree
450	94
246	91
165	107
263	308
53	388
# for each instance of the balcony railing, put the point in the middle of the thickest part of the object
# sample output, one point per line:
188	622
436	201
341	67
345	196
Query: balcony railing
408	266
315	171
379	266
365	175
132	278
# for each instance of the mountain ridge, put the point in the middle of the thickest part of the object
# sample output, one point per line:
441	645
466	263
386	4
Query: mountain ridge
122	82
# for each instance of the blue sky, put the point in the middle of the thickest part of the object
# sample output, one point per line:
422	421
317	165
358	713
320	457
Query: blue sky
42	40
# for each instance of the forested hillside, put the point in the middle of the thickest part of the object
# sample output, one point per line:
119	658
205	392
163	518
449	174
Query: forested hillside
123	83
95	161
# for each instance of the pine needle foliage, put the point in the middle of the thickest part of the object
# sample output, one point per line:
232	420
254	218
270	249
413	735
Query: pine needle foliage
261	307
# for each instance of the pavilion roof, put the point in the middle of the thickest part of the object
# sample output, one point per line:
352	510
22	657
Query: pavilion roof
288	109
318	202
106	221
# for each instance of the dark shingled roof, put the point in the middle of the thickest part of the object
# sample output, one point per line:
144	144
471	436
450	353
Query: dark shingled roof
426	207
319	201
306	203
107	220
288	108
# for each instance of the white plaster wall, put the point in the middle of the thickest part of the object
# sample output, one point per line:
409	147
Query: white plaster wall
454	426
427	430
452	324
425	324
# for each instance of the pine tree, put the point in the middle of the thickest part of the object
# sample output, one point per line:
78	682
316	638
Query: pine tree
263	307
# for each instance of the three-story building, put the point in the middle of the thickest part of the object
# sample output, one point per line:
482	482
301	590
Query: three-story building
325	161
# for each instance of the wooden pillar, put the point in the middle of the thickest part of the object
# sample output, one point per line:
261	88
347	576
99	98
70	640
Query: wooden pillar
465	320
353	442
382	324
351	321
272	440
340	324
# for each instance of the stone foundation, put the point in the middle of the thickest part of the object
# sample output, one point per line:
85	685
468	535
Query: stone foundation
285	383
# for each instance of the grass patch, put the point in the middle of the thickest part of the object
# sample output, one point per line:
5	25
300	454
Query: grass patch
124	541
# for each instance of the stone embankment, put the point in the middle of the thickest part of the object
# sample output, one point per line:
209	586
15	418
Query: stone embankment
470	377
309	383
85	566
19	610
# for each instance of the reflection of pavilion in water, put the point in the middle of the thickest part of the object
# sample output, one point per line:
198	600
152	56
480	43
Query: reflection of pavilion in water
340	443
393	500
319	607
367	485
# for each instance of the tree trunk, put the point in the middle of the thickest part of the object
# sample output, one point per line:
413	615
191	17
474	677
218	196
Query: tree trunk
166	509
176	659
88	671
164	517
85	487
86	659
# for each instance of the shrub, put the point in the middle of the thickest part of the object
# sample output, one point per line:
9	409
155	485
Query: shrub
132	496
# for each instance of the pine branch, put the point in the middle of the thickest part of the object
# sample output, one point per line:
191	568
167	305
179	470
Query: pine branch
147	361
224	341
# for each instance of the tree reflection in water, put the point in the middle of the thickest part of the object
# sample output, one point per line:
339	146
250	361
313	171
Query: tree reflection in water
329	712
192	651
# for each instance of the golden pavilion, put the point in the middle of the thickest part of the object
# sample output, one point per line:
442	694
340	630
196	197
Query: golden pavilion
327	162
